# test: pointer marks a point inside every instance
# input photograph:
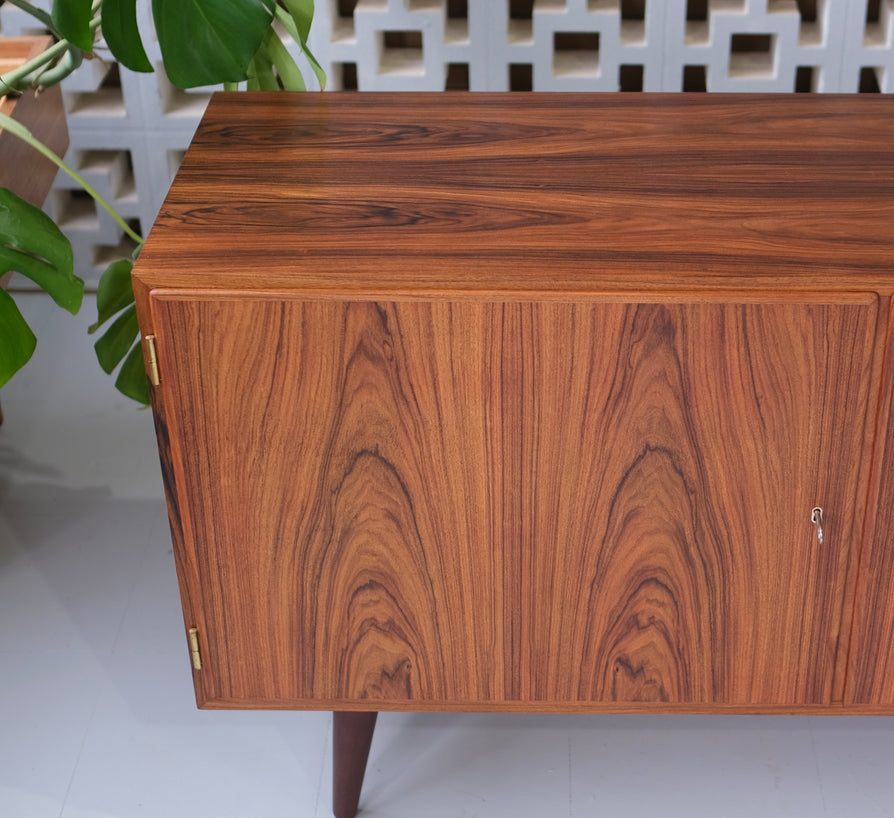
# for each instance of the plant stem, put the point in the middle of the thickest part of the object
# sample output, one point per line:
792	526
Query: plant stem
54	74
19	130
12	78
37	13
30	71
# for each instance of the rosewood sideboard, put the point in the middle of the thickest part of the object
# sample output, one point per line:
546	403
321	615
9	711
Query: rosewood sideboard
521	402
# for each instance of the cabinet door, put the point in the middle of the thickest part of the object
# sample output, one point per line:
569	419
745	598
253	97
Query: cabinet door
672	456
483	504
870	679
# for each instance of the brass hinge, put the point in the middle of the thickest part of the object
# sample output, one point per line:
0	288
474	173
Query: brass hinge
152	360
194	648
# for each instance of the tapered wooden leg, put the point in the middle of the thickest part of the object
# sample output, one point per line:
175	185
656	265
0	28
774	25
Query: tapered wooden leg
351	738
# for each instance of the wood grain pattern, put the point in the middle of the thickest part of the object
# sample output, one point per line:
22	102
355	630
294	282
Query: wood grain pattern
682	457
562	193
518	402
871	665
476	503
179	517
323	487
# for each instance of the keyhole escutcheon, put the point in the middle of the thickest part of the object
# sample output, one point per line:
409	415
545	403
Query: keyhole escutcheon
816	517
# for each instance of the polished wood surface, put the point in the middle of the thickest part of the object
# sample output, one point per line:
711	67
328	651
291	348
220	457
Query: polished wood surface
871	670
422	502
531	193
522	402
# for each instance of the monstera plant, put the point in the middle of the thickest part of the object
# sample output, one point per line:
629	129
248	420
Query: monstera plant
237	43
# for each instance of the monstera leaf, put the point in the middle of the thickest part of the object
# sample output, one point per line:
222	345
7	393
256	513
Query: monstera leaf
17	342
72	20
31	244
121	341
207	42
120	31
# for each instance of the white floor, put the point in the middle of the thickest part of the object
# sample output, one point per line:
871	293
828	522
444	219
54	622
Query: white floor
97	716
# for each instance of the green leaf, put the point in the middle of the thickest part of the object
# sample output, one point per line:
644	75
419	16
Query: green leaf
72	21
207	42
132	380
114	293
31	244
17	342
302	12
288	22
119	28
260	73
315	65
288	72
117	340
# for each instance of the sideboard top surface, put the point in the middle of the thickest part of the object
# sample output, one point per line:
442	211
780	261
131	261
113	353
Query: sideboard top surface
427	194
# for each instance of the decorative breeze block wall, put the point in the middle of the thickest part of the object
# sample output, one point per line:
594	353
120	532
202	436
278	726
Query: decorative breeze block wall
129	131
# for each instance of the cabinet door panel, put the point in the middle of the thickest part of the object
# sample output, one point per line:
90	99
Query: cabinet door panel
870	678
436	503
670	478
343	496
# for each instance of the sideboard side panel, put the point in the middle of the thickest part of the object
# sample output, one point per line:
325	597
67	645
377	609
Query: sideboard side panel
870	679
179	512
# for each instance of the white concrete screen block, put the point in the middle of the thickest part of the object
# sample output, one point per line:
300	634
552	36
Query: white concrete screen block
592	45
868	60
774	46
129	131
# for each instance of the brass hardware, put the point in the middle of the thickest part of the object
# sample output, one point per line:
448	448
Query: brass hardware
816	517
152	360
194	648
